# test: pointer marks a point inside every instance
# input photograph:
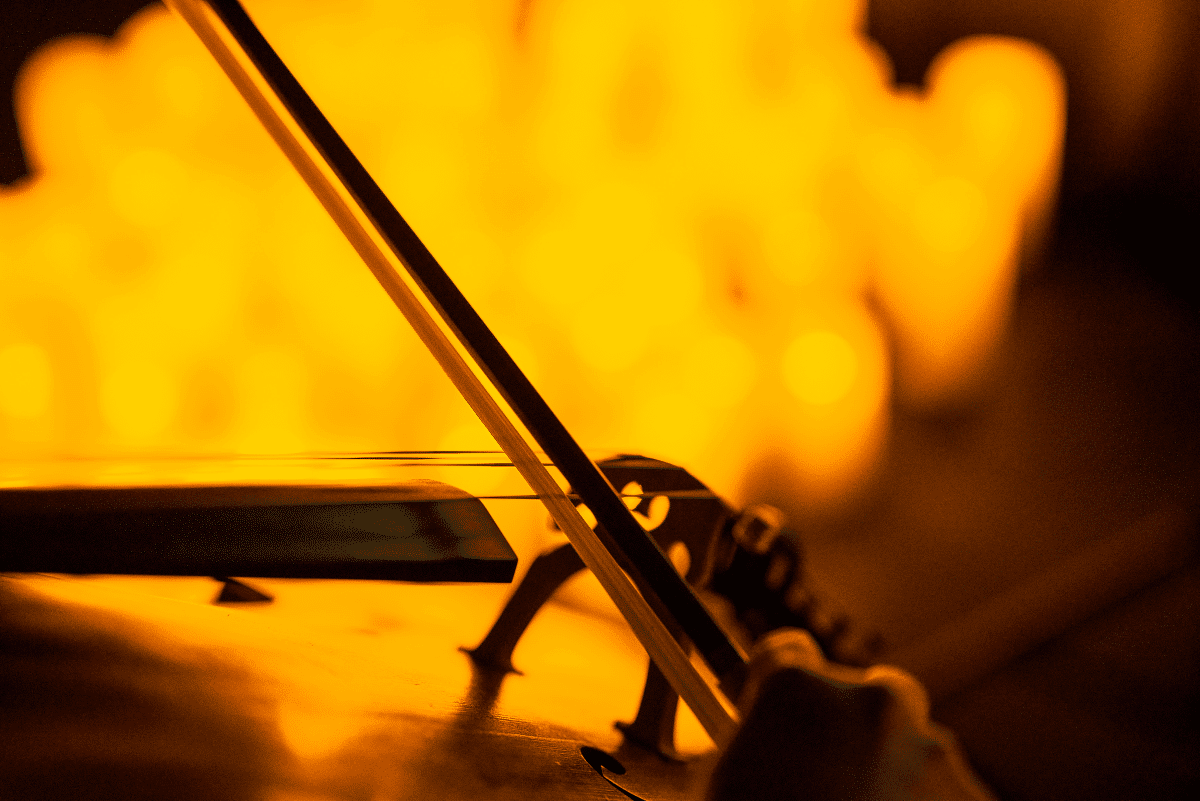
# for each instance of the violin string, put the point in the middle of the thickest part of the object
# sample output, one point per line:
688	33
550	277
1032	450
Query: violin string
428	459
432	460
406	460
405	269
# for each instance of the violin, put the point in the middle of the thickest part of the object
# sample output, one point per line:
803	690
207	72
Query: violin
668	618
663	610
645	586
471	705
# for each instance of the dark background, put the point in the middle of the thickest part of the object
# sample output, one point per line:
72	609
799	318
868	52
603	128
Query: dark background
24	26
1131	170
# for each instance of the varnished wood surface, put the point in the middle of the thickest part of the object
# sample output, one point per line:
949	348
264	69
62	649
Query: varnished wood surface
139	688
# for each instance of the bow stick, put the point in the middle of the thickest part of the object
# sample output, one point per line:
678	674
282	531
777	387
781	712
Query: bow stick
478	365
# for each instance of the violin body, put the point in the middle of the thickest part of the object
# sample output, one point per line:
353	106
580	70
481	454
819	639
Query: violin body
358	688
137	687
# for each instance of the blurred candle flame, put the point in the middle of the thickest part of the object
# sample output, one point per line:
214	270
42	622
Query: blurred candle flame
672	213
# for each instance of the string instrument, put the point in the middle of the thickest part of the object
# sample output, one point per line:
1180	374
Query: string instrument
457	338
746	558
418	532
659	605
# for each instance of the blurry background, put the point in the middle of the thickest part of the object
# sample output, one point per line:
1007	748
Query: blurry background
730	208
833	256
1133	105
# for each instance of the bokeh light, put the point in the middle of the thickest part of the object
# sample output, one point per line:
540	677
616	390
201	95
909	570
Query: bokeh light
25	393
709	230
820	367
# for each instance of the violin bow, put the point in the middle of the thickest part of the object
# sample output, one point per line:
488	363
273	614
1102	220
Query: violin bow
479	367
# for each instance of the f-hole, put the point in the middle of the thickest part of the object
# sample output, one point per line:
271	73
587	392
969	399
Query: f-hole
602	760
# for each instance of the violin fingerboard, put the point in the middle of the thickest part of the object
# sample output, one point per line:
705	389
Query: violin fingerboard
423	531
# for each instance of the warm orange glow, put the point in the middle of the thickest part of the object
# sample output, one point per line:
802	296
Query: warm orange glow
836	373
820	367
26	392
958	177
671	213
